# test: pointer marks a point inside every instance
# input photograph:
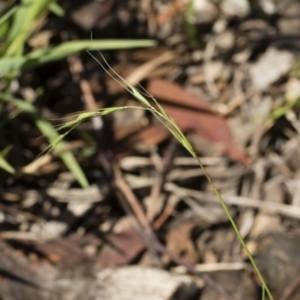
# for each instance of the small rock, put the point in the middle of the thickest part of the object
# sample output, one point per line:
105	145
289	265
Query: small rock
233	8
143	283
205	11
48	230
289	23
216	70
78	209
268	6
87	15
225	41
270	67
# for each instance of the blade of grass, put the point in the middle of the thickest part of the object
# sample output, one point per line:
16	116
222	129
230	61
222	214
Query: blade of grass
3	163
189	20
23	24
53	53
52	136
56	9
8	14
6	166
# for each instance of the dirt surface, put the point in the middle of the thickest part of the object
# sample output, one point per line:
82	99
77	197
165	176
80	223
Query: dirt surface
149	226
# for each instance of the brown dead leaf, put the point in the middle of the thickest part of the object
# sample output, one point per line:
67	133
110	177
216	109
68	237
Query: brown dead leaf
179	242
66	250
138	137
123	248
192	114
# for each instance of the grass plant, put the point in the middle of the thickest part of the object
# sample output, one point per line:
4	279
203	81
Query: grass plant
17	24
150	104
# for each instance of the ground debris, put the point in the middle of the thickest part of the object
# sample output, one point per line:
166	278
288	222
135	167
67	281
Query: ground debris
228	75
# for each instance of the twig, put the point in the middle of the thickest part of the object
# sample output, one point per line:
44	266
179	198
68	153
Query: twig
267	206
146	237
15	211
208	54
156	187
130	197
172	201
142	71
133	162
76	68
214	267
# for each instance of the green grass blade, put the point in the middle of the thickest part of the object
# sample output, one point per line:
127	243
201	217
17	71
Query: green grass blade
6	166
3	163
23	24
7	15
56	9
67	157
53	53
52	136
72	164
234	226
189	21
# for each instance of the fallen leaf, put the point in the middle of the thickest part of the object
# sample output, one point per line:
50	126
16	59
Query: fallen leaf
122	248
66	250
179	242
192	114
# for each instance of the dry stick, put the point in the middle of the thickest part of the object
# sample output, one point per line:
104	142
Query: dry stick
15	211
147	68
151	237
291	289
168	210
76	68
146	237
156	187
267	206
123	186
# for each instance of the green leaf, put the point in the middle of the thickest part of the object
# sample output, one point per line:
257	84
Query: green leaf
23	24
67	157
6	166
56	9
7	15
139	96
53	53
72	164
108	110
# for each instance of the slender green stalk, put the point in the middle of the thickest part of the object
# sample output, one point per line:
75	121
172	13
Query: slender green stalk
263	296
235	228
